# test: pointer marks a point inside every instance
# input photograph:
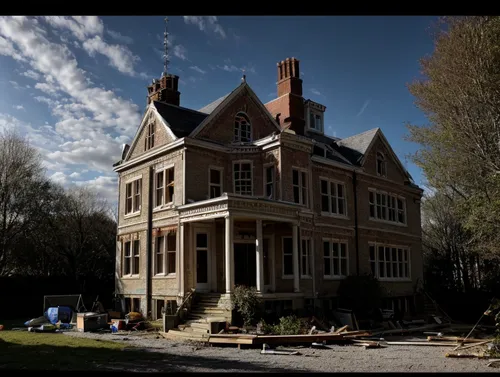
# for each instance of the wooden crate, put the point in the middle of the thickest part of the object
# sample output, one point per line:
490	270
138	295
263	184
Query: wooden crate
91	322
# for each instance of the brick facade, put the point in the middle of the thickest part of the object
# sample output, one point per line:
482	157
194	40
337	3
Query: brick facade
212	146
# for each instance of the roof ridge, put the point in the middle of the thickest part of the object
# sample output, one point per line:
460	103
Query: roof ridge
180	107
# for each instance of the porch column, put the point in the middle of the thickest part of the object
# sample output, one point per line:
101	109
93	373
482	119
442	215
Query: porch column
259	251
295	255
182	271
229	254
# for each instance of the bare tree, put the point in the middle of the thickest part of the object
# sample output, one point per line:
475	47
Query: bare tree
22	192
84	235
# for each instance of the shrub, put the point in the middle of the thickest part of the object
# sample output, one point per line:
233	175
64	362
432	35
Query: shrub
361	293
246	303
290	325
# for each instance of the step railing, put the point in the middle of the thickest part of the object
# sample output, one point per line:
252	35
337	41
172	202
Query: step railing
185	306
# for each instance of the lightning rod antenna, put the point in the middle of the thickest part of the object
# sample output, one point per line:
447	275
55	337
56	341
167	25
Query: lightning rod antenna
165	48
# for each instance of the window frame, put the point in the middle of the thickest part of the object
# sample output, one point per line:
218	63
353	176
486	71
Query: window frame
381	161
386	198
301	186
131	257
240	163
149	140
329	188
210	184
237	131
133	183
267	166
331	242
388	251
164	170
165	255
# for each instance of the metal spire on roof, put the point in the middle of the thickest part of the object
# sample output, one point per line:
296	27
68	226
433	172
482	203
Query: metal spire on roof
165	48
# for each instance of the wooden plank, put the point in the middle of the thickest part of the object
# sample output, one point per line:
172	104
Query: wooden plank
287	339
341	329
242	336
230	341
457	339
442	344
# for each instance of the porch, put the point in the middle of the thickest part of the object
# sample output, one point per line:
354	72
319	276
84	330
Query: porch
235	240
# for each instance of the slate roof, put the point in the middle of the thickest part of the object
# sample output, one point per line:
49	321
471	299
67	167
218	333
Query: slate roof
354	147
182	120
212	106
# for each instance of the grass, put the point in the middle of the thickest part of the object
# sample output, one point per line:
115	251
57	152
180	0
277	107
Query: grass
56	351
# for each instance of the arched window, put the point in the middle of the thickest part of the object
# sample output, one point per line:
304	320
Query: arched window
381	164
242	128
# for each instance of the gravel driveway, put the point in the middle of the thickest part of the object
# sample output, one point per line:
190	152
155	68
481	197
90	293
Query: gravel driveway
197	357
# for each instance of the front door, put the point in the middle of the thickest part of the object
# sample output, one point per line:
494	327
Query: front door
245	264
202	257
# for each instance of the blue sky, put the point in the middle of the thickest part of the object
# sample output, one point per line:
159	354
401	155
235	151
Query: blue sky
77	85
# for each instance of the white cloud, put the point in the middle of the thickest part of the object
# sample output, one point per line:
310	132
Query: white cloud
120	57
89	30
363	107
31	74
315	92
8	49
229	67
18	107
207	24
91	122
15	85
120	37
198	69
179	51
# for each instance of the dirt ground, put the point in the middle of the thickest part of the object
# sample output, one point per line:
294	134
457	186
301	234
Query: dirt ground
199	357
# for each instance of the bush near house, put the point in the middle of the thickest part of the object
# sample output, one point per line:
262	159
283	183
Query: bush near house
360	293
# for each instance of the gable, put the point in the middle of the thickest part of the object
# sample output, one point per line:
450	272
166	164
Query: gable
395	170
220	124
162	134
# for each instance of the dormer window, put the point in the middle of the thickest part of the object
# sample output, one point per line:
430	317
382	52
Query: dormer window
242	128
316	121
381	165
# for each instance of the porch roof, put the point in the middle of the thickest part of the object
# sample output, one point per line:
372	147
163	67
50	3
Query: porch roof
239	205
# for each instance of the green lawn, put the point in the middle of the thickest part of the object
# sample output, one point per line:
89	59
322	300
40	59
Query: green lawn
26	350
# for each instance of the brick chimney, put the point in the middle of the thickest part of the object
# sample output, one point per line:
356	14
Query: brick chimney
290	103
165	90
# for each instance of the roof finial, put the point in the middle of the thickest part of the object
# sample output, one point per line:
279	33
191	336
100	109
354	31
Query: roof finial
244	78
165	48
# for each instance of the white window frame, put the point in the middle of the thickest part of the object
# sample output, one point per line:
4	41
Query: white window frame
406	256
330	197
382	173
305	254
237	129
165	252
240	162
133	181
385	207
210	184
163	170
149	140
332	241
133	255
290	253
301	186
273	182
314	113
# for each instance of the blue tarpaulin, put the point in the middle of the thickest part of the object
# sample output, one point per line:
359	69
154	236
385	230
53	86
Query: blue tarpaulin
60	313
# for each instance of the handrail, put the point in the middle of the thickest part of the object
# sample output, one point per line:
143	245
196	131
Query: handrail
185	300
